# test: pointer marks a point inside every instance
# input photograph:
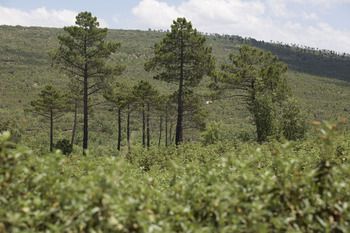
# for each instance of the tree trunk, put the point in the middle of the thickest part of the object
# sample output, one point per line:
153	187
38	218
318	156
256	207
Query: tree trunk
128	128
148	129
75	124
119	129
166	127
143	126
178	139
86	132
171	132
51	131
160	129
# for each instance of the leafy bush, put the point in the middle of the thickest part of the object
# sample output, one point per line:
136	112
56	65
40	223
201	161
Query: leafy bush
294	121
12	127
220	188
211	134
64	145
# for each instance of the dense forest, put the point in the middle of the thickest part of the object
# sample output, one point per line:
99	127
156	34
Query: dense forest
170	131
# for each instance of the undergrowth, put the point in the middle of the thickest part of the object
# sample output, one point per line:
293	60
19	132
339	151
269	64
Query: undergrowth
274	187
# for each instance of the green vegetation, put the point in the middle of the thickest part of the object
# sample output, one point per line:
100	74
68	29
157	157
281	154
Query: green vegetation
51	105
218	188
82	54
182	58
144	95
259	79
248	164
25	71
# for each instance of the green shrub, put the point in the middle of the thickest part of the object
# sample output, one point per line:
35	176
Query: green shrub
244	187
211	133
64	145
294	121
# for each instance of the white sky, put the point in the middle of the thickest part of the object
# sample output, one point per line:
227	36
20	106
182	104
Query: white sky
322	24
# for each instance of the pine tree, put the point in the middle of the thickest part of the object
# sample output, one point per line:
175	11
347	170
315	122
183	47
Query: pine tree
145	95
181	58
51	105
82	54
260	78
120	96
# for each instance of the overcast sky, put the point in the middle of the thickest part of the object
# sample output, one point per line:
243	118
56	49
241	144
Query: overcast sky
323	24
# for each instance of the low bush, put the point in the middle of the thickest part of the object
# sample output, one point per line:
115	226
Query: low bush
64	145
219	188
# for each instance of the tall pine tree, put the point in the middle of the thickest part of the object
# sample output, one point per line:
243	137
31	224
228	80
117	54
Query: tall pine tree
51	105
82	54
181	58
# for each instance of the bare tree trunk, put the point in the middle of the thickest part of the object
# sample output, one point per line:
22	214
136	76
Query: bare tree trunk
51	131
179	117
171	132
143	126
86	124
179	101
166	127
148	129
160	129
119	129
128	128
75	124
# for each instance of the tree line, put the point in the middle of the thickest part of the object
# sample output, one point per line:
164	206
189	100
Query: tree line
181	58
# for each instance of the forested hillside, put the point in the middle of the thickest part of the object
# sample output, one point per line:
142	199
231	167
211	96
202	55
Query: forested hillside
319	79
264	148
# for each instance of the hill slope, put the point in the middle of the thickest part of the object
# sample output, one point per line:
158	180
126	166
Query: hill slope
318	79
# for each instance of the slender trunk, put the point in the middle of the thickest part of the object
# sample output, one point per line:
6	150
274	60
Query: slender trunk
86	125
128	128
148	129
119	129
160	129
179	100
170	132
75	123
256	120
178	139
166	127
51	131
143	126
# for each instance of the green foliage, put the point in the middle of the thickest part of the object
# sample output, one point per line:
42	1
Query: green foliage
194	114
85	45
64	145
82	54
264	116
145	98
8	160
51	105
211	134
11	126
219	188
175	55
25	70
144	93
329	130
294	121
260	79
119	94
302	58
234	187
181	58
